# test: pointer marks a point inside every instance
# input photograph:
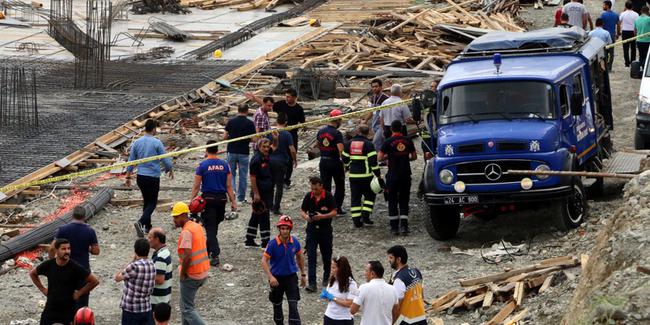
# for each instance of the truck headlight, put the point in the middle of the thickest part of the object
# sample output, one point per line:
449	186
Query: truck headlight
644	105
446	176
542	168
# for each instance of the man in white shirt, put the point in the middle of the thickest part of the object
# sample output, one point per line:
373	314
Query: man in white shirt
377	298
626	30
577	13
401	112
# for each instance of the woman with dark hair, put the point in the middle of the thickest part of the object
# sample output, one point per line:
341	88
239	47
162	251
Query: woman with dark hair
340	292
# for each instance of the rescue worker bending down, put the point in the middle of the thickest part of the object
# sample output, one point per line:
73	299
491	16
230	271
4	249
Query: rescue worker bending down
399	150
360	156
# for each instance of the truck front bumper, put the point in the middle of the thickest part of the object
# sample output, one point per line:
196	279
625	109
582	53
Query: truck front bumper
488	198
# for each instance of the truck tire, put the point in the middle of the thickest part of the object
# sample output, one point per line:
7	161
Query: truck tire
639	142
570	212
442	222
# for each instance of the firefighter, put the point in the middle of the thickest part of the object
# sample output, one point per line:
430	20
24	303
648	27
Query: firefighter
400	151
330	144
360	156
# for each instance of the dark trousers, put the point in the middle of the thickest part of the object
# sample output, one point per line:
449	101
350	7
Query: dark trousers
329	321
399	192
332	168
83	300
287	176
279	170
643	51
129	318
287	285
149	186
629	49
362	198
318	238
51	316
261	220
215	208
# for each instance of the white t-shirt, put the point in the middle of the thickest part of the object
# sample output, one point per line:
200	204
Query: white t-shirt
400	112
627	19
376	299
336	311
575	11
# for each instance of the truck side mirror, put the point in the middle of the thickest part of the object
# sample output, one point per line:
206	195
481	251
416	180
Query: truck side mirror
636	71
576	104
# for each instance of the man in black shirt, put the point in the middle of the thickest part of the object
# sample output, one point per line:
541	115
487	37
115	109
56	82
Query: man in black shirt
399	150
330	144
262	191
295	115
238	151
318	209
63	276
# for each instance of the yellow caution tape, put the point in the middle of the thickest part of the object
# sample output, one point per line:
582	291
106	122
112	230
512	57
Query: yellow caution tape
98	170
631	39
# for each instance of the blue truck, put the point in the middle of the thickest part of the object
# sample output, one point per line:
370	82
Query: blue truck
533	101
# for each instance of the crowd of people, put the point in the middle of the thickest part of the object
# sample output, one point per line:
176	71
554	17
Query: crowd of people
632	26
381	139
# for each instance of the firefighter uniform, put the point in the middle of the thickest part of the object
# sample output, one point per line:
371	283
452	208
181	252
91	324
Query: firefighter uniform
398	180
360	156
331	166
408	284
260	167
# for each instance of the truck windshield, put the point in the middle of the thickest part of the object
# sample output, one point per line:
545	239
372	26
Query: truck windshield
497	100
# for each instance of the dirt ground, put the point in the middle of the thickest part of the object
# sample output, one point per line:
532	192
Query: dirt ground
240	297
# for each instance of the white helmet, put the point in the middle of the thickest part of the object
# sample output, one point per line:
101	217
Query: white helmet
375	186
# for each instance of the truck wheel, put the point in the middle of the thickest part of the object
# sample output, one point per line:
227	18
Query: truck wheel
442	222
570	212
639	142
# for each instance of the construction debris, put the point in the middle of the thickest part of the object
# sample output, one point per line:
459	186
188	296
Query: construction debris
172	32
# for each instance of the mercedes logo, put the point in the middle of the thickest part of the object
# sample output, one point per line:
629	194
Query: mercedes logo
493	172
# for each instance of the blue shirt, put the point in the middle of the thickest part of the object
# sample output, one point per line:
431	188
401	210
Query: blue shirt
81	237
281	154
282	256
148	146
610	20
602	34
214	173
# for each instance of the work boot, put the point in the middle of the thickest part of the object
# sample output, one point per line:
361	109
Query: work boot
214	261
139	229
357	222
264	243
367	221
394	231
404	230
251	244
311	288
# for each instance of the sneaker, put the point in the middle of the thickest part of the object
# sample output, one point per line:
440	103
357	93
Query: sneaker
251	244
311	288
139	229
215	261
367	221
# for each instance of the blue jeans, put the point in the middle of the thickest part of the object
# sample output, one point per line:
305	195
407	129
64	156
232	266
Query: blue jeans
189	287
129	318
241	160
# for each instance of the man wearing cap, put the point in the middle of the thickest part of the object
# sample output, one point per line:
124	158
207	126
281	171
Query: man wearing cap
281	260
330	144
360	156
213	178
399	150
318	209
194	262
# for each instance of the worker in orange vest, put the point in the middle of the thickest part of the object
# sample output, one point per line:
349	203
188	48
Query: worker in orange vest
194	262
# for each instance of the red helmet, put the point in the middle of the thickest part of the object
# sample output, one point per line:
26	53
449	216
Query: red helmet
335	113
84	316
285	220
197	205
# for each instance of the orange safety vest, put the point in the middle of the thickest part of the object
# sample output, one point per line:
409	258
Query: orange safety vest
412	309
199	261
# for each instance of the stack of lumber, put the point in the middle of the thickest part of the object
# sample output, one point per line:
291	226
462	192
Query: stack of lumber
240	5
509	287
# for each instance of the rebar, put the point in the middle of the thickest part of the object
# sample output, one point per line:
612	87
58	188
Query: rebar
96	45
18	102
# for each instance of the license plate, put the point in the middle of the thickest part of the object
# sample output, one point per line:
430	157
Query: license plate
461	199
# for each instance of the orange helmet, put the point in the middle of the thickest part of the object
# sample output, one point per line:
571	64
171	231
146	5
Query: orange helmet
84	316
285	220
335	113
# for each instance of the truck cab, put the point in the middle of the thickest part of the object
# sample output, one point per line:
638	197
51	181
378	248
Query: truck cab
534	101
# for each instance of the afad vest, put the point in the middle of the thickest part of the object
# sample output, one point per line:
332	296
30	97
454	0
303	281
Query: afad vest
412	308
199	261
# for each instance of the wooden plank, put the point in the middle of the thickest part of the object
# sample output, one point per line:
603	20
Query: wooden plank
502	314
488	299
497	277
105	146
519	293
546	284
536	281
447	297
584	259
450	304
11	233
555	260
513	320
473	301
6	206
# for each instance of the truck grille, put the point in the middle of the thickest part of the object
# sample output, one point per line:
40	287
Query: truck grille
490	171
511	146
470	148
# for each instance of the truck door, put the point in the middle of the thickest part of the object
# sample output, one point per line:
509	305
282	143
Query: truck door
579	129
